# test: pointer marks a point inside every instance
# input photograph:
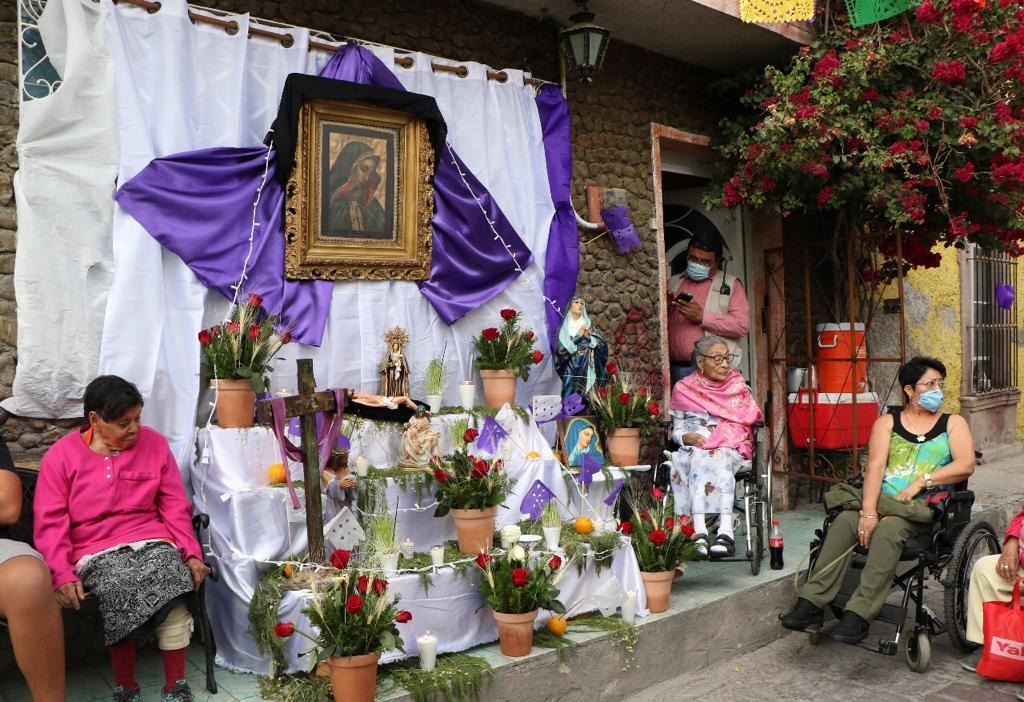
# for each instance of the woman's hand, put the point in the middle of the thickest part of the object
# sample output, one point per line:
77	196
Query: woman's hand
1009	560
865	527
70	595
693	439
199	571
911	491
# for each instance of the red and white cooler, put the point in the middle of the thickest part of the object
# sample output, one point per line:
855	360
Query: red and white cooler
833	418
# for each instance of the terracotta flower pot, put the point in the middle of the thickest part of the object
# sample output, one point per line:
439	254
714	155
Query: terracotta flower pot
499	387
515	632
474	529
658	586
236	403
624	446
354	679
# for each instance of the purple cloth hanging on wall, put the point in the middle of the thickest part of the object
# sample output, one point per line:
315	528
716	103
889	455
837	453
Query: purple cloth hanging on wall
562	262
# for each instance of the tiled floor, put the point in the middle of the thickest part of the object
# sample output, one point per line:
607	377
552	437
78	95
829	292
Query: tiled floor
90	678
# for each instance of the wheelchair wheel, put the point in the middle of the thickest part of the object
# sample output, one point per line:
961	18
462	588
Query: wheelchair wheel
978	539
918	649
757	536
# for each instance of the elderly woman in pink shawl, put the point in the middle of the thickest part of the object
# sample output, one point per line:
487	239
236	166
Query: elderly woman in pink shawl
712	415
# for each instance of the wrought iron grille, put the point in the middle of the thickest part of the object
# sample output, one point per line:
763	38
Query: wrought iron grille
992	327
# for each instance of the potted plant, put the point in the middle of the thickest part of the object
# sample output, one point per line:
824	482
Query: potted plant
662	544
503	354
356	618
237	354
470	488
551	525
381	548
514	589
626	409
437	375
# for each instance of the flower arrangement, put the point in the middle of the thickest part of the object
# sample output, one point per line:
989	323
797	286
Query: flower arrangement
660	540
624	401
507	347
511	585
465	481
242	347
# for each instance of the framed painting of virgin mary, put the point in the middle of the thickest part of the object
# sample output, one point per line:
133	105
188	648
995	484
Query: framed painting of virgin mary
359	200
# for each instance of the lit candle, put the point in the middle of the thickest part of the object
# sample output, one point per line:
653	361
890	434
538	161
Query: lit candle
362	466
467	394
437	555
629	607
427	645
408	548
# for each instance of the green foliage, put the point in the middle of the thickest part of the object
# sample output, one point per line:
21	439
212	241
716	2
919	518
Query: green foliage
296	688
625	401
437	375
242	347
510	585
578	546
660	540
551	517
456	676
465	481
266	599
507	347
910	126
623	636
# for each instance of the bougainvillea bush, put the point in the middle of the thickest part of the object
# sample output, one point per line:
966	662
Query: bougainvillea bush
912	125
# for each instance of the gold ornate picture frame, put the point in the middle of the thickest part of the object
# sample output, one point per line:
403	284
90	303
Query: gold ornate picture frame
359	201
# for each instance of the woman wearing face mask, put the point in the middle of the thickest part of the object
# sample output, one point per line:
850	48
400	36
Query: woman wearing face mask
911	451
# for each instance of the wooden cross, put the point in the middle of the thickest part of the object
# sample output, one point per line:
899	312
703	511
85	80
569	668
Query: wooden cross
305	405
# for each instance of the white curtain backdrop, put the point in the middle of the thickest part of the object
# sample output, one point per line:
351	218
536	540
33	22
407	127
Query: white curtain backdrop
175	87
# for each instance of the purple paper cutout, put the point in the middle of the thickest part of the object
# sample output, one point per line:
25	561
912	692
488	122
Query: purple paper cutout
622	229
1005	295
589	466
491	434
535	499
572	404
610	500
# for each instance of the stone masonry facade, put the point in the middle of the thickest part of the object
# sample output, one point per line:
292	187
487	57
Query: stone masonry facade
612	147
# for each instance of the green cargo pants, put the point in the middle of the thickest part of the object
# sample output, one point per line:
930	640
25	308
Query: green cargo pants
876	579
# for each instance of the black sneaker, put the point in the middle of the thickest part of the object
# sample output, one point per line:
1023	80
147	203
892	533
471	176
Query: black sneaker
852	628
803	616
127	694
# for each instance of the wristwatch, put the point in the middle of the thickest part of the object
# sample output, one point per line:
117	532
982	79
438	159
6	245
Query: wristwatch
927	477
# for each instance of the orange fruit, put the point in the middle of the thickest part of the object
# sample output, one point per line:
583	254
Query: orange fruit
557	625
288	569
583	525
277	474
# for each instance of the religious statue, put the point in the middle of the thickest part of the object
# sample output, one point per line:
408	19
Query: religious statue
394	369
419	443
381	408
582	354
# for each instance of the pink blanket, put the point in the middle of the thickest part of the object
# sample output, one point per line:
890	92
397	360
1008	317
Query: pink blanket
729	401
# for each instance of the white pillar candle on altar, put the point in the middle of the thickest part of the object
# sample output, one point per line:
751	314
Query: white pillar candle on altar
362	466
467	394
437	555
629	607
408	548
427	645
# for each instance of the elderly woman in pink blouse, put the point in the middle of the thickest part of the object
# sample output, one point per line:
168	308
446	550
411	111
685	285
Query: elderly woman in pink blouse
112	520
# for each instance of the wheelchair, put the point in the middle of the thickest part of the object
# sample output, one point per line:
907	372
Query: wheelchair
946	554
753	499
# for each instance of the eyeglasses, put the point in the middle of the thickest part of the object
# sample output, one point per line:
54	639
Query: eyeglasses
702	261
729	357
932	384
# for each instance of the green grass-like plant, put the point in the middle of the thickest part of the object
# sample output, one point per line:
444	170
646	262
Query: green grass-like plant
437	376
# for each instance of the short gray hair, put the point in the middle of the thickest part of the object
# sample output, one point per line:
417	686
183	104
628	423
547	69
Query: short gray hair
704	344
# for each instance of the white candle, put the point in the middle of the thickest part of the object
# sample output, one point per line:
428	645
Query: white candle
408	548
437	555
629	607
427	645
362	466
467	394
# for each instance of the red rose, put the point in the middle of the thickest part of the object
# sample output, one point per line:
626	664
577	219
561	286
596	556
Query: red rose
354	603
688	530
530	335
669	522
654	408
470	435
626	527
340	558
555	563
537	356
286	337
234	327
254	300
490	333
520	576
254	331
283	630
603	392
404	616
657	493
379	586
362	583
509	314
658	537
480	468
215	331
612	368
624	398
483	559
645	516
205	338
440	476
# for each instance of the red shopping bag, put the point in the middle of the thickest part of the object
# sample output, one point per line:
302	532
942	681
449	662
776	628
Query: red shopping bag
1003	655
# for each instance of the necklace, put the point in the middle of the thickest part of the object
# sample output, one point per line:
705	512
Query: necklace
920	437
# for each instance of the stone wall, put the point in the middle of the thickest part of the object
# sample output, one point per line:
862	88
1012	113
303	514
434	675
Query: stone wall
611	137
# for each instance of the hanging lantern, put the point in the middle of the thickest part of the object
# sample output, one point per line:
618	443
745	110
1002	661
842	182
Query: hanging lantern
584	43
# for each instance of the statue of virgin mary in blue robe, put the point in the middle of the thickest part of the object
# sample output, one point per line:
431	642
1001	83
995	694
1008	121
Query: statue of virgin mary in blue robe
582	356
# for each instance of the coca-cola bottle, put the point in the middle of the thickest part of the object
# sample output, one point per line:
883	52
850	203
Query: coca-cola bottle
775	545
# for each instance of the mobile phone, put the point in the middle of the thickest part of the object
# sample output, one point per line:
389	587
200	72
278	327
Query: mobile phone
684	297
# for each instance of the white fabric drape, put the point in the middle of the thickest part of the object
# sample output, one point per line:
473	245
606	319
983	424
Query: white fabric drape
151	85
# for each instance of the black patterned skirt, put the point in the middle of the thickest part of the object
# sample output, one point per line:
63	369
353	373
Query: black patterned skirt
136	589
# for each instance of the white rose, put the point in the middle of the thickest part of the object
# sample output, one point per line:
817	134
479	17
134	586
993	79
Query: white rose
517	554
511	533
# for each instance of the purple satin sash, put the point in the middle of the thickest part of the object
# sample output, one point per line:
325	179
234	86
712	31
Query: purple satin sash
325	443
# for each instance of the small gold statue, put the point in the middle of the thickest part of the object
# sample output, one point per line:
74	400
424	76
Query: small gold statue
394	369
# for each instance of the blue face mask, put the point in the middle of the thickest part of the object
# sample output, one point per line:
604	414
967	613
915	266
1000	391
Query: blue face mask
931	400
697	272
